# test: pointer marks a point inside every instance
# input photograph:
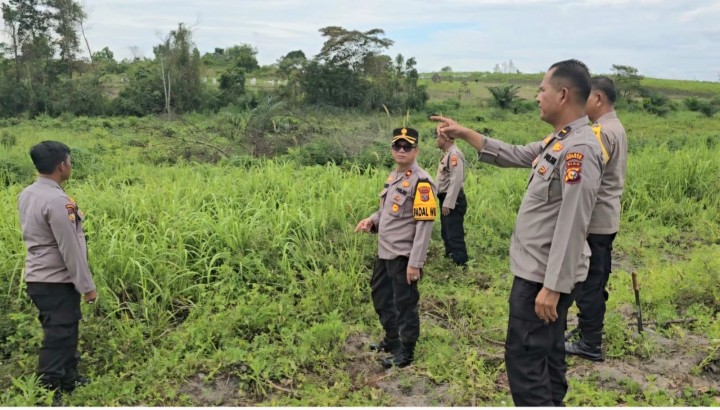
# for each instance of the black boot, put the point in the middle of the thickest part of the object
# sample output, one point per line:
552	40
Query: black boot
572	334
401	357
386	345
55	387
68	386
589	346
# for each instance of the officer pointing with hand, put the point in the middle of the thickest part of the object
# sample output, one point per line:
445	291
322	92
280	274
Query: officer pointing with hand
548	252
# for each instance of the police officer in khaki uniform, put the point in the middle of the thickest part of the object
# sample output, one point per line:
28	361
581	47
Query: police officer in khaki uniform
548	251
403	224
450	180
56	265
605	220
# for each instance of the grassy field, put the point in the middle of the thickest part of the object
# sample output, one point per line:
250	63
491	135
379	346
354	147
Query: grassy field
238	281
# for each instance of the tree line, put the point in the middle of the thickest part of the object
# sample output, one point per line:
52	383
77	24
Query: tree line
42	71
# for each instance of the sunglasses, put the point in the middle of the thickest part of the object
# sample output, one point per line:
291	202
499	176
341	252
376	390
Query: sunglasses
404	147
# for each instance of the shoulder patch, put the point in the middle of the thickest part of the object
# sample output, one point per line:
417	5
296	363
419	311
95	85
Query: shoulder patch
424	204
573	169
453	160
71	211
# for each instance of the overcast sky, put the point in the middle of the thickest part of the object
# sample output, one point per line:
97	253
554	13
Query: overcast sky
662	38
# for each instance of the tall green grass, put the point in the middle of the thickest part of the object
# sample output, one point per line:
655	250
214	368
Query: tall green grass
249	271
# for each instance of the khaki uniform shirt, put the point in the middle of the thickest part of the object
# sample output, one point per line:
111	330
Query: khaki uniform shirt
52	229
606	216
451	175
548	244
399	234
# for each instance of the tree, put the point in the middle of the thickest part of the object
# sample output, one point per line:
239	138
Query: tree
446	69
144	93
105	56
335	85
28	24
66	16
351	47
504	96
627	80
232	84
351	71
136	52
291	62
243	56
506	67
180	70
291	67
11	17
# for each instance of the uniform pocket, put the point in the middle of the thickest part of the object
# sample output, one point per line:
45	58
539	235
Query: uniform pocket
540	182
397	207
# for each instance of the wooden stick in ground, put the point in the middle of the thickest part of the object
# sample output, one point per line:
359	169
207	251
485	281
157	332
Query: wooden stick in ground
665	322
636	288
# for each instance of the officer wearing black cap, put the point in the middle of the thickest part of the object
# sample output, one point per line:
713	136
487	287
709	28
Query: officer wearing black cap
403	224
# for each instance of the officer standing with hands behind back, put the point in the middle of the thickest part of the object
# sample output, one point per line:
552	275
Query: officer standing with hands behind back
56	265
403	224
450	180
548	252
605	221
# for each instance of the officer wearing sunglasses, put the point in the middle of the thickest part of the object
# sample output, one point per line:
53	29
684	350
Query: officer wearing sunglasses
403	223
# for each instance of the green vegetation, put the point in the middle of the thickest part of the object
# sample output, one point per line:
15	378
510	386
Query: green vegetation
220	232
229	279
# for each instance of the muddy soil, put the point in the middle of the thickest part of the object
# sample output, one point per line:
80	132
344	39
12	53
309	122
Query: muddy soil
675	366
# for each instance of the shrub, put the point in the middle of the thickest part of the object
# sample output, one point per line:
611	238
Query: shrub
504	96
319	152
7	140
656	103
705	107
15	173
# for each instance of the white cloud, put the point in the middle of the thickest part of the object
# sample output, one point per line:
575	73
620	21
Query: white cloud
660	37
711	10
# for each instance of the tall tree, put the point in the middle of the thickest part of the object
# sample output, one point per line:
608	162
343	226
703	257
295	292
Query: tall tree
28	23
67	16
627	80
351	47
180	70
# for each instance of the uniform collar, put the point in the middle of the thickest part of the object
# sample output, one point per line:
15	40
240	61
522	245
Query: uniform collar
48	182
607	116
397	175
574	125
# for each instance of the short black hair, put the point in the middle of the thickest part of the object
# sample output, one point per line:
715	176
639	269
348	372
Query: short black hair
47	155
576	75
605	85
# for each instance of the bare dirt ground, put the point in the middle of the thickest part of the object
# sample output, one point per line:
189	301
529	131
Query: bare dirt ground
222	391
675	367
406	387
